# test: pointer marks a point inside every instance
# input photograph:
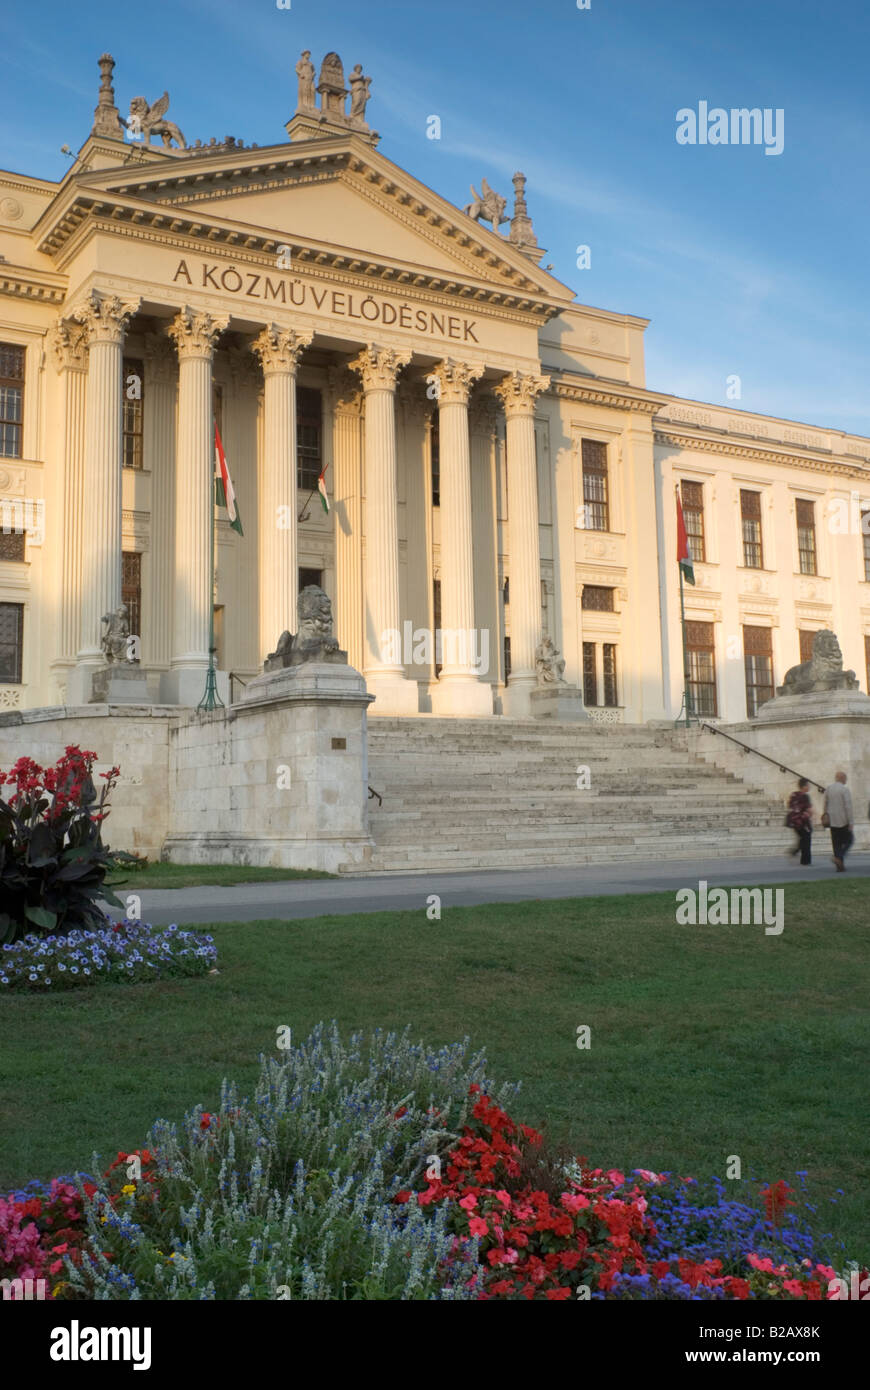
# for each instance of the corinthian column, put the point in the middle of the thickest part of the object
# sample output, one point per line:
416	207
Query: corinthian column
70	345
104	318
194	335
383	669
458	690
518	393
345	416
279	350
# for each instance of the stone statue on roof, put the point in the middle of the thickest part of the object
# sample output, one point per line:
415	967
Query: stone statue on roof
305	74
359	93
487	206
146	121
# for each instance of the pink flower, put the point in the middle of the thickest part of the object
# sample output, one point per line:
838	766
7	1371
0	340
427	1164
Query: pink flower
469	1202
794	1287
478	1227
765	1265
574	1201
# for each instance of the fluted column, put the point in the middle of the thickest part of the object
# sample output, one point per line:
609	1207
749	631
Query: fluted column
345	411
70	346
104	318
161	384
458	690
385	677
518	393
278	350
194	334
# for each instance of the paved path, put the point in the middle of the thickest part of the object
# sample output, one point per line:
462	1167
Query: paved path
376	893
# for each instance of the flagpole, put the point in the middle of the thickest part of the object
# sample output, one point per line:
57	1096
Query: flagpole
687	694
211	699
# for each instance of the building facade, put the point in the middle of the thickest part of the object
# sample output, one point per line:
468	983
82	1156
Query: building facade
495	466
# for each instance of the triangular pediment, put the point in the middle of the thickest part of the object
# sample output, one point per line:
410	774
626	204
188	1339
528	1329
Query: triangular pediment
320	197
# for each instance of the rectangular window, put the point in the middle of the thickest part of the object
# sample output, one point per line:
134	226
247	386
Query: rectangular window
806	534
133	398
11	544
131	589
590	675
758	664
865	537
597	512
597	598
702	668
11	400
11	642
750	514
309	438
692	497
610	693
806	640
310	576
435	459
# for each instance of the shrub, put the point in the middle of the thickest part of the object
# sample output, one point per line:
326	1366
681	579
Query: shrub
127	951
52	859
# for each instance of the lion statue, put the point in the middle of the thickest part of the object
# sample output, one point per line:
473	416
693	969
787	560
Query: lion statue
146	121
487	206
823	671
314	640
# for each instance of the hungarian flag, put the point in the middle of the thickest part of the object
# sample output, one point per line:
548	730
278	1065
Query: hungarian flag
321	488
225	493
684	559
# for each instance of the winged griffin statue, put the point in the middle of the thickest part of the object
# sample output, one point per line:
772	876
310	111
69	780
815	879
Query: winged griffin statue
146	121
487	206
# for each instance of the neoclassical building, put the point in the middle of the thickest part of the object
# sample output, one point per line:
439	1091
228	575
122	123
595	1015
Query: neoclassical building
495	465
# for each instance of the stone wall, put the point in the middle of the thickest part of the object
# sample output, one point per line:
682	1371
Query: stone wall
816	748
133	737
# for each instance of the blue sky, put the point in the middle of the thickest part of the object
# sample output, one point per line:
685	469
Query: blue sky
746	263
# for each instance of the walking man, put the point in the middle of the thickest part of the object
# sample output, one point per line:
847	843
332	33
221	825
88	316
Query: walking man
838	815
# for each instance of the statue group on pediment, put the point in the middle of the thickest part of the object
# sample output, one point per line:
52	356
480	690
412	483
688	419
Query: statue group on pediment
333	93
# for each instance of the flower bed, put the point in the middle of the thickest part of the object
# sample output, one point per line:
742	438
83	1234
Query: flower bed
129	951
384	1170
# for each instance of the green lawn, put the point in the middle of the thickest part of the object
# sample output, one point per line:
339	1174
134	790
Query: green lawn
195	875
706	1041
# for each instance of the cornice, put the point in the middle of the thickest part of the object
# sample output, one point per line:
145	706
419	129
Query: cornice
738	448
44	286
614	397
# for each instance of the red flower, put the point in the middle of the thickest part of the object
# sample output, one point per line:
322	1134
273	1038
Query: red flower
402	1197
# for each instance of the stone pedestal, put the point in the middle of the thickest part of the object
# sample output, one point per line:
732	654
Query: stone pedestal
119	685
818	704
559	702
280	779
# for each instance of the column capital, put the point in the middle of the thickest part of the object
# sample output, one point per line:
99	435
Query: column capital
159	358
344	390
104	316
379	367
455	380
279	349
519	391
195	332
68	341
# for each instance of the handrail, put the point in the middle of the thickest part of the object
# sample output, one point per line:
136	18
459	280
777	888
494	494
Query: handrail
234	677
747	748
372	793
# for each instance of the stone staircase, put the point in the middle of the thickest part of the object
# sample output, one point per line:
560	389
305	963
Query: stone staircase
503	793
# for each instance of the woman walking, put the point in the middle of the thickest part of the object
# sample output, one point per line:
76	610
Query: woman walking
800	818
